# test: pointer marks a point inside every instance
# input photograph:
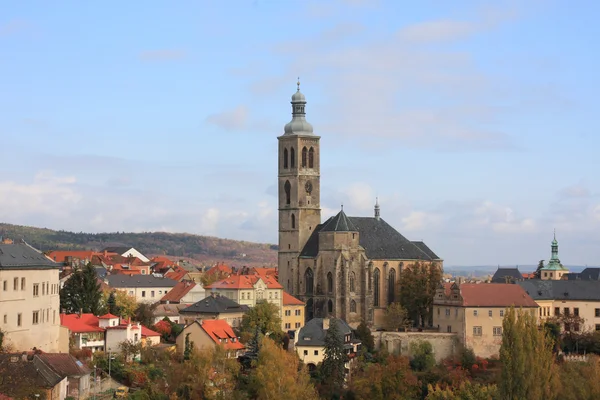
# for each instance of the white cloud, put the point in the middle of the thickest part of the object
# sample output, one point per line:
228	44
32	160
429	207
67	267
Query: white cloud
230	120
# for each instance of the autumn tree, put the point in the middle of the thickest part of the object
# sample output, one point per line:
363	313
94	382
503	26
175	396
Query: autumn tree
82	292
570	326
125	304
333	368
393	379
144	313
279	374
395	317
363	333
528	371
580	380
466	391
417	287
265	317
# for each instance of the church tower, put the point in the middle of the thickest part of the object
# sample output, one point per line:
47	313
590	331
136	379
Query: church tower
299	191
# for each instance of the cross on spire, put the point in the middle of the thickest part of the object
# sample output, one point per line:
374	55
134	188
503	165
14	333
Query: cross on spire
298	83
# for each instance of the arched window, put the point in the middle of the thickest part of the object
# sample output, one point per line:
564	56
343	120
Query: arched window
308	281
292	158
311	158
293	221
288	192
400	267
329	282
304	157
352	306
352	281
376	287
330	306
392	286
285	158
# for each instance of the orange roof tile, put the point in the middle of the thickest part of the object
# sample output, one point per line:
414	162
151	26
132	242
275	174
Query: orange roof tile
495	295
108	316
220	269
221	333
289	300
148	332
80	324
61	256
179	290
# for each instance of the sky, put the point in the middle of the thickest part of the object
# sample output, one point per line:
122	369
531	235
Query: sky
475	123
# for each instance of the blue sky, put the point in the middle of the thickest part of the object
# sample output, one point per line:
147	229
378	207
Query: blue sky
475	123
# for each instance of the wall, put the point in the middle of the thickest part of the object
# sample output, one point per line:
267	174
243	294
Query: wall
197	335
310	357
44	334
587	311
233	319
444	344
295	321
145	295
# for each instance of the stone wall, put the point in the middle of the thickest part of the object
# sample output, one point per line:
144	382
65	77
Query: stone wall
444	344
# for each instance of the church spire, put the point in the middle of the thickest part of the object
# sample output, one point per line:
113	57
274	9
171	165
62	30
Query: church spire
298	125
377	209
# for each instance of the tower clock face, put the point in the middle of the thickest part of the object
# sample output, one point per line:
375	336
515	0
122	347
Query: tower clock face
308	187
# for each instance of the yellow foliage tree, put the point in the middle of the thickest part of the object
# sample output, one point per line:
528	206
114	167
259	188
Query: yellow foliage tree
124	302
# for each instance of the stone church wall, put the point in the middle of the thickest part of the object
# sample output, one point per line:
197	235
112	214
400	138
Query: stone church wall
444	344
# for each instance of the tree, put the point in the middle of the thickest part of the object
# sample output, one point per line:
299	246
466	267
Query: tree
111	304
580	380
164	328
279	374
422	356
333	368
265	317
144	313
392	379
124	303
571	326
130	349
466	391
538	272
82	292
528	370
363	333
395	317
417	286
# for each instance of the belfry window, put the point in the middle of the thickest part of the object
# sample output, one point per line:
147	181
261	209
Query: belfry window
288	192
293	221
285	158
311	158
352	306
304	157
292	158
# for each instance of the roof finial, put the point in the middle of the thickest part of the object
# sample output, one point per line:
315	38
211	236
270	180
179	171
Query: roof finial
554	233
342	206
298	83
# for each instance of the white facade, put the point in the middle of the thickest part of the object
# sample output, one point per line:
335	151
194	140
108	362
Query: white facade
30	309
146	294
250	296
195	294
118	335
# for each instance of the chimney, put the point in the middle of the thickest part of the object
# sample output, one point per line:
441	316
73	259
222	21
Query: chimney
325	323
80	312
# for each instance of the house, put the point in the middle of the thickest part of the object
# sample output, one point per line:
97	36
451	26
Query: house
170	311
475	312
220	271
145	288
119	330
211	333
28	376
250	289
215	306
77	374
293	313
588	274
555	298
85	331
184	292
126	251
310	341
29	299
507	275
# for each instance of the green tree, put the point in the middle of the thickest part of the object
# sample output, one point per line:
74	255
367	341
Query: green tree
125	304
422	356
417	286
528	370
395	317
111	304
363	333
466	391
265	317
144	313
82	292
538	271
333	369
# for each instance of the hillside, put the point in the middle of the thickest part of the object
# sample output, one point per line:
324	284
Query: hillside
205	249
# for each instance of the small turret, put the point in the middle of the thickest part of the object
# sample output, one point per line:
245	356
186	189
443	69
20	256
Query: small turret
377	209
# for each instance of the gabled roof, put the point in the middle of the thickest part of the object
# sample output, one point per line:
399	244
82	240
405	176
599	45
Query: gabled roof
65	364
289	300
313	334
108	316
23	256
220	269
169	310
146	332
495	295
588	274
214	305
179	291
221	333
61	256
117	249
245	282
502	274
141	281
562	289
80	323
18	373
339	223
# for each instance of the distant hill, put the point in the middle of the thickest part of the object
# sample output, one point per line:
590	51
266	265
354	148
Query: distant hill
205	249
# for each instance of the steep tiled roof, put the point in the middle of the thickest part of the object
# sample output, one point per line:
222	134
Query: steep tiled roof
220	269
169	310
214	305
562	290
339	223
425	249
61	256
117	249
221	333
588	274
502	274
313	334
178	291
108	316
148	332
495	295
64	364
141	281
23	256
80	324
244	282
18	373
289	300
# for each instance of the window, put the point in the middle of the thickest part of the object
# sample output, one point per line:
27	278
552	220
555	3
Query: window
288	313
447	312
308	281
376	288
576	311
311	158
304	157
287	187
316	352
490	313
502	313
597	327
305	352
5	285
352	281
276	295
566	311
293	221
43	288
54	316
16	284
497	331
474	313
36	317
330	306
36	289
292	158
244	296
131	292
287	325
136	337
438	311
352	306
297	325
597	312
392	286
19	319
449	329
6	319
285	158
152	293
556	310
329	282
576	327
297	312
143	293
476	331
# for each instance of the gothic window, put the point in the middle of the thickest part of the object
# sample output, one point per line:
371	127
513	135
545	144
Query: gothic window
329	282
293	221
292	158
288	192
400	267
352	306
285	158
330	306
311	158
392	286
304	157
376	287
352	281
309	312
308	281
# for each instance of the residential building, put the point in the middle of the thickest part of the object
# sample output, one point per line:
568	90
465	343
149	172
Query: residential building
27	376
145	289
293	313
507	275
186	292
85	331
29	298
310	341
588	274
126	251
250	289
579	298
211	333
554	270
215	306
475	311
127	331
77	374
170	311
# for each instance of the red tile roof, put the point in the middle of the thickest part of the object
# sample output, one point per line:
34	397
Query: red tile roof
108	316
220	269
148	332
179	290
61	256
244	282
221	333
289	300
495	295
80	324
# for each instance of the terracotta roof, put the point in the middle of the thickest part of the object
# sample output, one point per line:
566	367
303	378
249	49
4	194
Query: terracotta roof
148	332
220	269
108	316
80	324
65	364
61	256
179	290
265	271
244	282
170	310
289	300
177	274
163	259
495	295
221	333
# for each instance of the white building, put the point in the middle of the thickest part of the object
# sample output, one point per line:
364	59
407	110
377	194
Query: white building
145	288
29	299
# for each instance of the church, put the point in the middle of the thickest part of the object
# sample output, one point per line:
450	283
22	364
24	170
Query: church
346	267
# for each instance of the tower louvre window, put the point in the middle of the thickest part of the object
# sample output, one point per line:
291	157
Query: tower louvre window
292	158
311	158
288	192
285	158
304	157
293	221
